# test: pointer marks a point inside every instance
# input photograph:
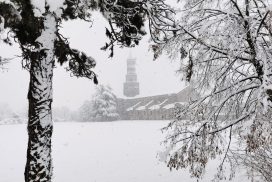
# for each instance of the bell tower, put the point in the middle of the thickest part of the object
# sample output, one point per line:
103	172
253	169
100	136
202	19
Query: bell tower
131	85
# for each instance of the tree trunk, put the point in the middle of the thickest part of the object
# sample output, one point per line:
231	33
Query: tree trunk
40	126
39	162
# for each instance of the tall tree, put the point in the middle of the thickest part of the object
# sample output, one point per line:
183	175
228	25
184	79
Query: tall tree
35	26
227	46
103	104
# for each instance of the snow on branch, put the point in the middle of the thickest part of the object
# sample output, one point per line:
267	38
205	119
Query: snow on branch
80	65
126	19
225	52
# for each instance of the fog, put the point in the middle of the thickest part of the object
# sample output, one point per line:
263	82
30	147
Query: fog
155	77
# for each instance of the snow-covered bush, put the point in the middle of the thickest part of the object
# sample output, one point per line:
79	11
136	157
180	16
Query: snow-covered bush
64	114
8	116
5	111
85	111
13	120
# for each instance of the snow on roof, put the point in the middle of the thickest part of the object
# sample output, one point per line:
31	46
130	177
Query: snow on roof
169	106
144	106
172	105
132	107
157	106
150	94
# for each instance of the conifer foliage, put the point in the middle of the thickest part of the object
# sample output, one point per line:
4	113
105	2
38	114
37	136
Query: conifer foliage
102	106
34	25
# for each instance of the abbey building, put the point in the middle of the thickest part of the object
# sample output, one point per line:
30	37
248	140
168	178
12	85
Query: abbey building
157	107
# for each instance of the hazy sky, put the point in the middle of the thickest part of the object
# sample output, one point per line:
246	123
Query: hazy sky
155	77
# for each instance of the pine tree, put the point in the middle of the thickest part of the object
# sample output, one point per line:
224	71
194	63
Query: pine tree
104	104
35	26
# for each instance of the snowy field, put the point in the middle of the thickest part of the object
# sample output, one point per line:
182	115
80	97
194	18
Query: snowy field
123	151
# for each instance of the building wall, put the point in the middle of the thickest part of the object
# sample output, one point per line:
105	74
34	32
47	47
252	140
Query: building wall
143	108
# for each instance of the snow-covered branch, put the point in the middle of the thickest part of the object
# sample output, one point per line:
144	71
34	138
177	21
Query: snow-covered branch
225	50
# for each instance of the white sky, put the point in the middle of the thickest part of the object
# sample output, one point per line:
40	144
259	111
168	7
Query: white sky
155	77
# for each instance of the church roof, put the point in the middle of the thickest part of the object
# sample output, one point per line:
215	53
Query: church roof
164	101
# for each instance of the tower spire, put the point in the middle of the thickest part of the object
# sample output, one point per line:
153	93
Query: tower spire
131	85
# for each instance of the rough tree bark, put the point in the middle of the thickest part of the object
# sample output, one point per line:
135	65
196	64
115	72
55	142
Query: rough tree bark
39	162
38	166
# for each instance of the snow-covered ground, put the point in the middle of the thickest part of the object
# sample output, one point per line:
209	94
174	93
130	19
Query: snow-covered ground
122	151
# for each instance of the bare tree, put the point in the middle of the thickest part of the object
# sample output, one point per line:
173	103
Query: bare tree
225	48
